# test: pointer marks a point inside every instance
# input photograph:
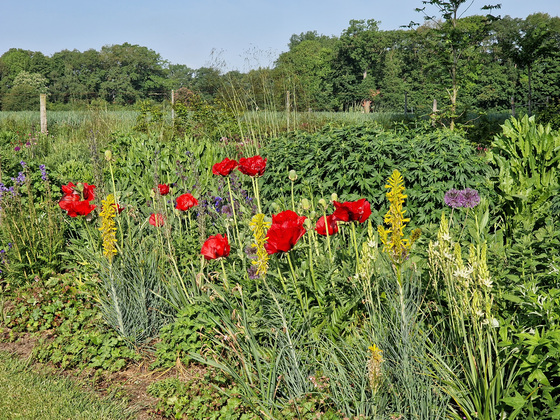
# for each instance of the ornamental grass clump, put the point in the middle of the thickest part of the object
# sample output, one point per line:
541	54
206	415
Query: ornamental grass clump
479	375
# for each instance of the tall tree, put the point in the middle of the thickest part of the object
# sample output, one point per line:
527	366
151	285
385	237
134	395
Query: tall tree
525	41
455	38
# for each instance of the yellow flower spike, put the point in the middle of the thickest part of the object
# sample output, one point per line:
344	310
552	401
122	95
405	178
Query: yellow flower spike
108	227
393	238
374	367
259	227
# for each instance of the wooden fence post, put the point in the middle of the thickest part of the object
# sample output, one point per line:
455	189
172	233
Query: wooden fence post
43	112
173	107
288	109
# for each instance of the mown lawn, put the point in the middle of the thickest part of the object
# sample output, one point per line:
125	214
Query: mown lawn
31	394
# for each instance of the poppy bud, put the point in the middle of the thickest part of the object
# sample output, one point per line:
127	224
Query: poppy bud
334	197
292	175
323	203
305	204
108	155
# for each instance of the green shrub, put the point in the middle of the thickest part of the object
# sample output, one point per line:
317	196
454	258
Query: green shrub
355	161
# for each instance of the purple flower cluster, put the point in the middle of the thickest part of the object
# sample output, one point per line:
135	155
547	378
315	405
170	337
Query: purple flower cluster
467	198
43	170
20	179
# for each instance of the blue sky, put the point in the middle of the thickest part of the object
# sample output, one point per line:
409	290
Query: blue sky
234	34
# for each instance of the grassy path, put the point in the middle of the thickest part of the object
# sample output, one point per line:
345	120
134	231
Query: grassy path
28	394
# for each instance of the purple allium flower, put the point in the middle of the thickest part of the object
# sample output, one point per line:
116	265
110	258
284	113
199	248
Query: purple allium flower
470	198
467	198
453	198
17	148
23	164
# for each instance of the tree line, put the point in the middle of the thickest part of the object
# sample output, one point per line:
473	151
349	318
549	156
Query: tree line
472	63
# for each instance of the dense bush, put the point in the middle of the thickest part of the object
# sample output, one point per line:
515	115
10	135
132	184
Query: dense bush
355	161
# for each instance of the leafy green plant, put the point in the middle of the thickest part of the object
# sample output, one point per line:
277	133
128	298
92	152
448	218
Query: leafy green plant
212	396
355	161
31	227
188	333
537	380
526	155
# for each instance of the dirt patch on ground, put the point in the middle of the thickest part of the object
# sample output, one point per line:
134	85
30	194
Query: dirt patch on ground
130	383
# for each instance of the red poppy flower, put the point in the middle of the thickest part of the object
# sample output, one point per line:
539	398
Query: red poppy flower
216	246
185	202
163	189
253	166
81	208
156	219
225	167
118	208
331	224
351	211
87	192
68	189
72	201
286	229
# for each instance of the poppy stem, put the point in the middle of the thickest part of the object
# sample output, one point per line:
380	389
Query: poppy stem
225	275
293	202
234	216
328	235
355	246
256	190
295	282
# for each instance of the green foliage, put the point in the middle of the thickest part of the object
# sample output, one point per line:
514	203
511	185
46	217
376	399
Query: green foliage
526	155
31	227
188	333
212	396
550	115
355	161
78	338
538	379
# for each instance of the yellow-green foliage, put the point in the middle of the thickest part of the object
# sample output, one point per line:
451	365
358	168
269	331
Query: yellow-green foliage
466	286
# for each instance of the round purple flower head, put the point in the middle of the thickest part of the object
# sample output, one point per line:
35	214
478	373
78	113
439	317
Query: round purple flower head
470	198
453	198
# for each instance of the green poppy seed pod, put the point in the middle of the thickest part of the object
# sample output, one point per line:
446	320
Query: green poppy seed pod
305	204
312	215
292	175
323	203
334	197
307	224
108	155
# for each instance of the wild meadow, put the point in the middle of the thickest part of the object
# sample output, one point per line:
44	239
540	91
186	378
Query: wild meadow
311	266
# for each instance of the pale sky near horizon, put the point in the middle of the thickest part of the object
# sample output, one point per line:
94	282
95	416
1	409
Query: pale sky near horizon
234	34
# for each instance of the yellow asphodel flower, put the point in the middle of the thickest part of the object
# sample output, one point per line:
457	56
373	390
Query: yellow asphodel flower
108	227
395	244
374	367
259	227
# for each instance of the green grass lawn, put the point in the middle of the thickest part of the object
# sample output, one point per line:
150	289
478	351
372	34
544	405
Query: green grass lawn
29	394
